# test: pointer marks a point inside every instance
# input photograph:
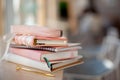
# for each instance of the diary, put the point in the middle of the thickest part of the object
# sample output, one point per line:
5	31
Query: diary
38	55
29	40
36	31
51	48
43	65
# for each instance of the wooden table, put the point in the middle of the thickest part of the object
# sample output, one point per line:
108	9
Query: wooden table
8	72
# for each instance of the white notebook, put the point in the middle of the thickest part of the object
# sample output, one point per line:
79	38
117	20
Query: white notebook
43	65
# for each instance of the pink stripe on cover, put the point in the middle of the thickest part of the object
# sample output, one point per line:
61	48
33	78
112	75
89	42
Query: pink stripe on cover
24	40
29	40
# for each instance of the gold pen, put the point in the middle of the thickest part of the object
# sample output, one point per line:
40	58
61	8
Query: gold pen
30	70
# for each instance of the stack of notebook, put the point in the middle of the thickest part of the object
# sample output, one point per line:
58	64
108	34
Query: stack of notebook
42	48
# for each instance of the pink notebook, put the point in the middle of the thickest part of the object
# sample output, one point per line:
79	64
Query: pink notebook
36	31
68	47
39	55
38	40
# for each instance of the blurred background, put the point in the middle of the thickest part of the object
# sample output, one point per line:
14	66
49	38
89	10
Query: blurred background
89	22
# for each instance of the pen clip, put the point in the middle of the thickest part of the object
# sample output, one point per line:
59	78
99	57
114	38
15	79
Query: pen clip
48	63
34	71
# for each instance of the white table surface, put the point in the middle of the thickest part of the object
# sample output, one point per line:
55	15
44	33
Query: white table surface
8	72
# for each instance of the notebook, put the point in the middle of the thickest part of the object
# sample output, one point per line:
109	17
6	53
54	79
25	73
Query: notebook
36	30
38	55
43	65
69	46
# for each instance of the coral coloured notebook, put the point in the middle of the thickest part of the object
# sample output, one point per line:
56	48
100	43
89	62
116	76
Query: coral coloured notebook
36	31
38	55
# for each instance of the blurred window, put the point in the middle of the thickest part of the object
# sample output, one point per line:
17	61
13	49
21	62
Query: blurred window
63	10
25	11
